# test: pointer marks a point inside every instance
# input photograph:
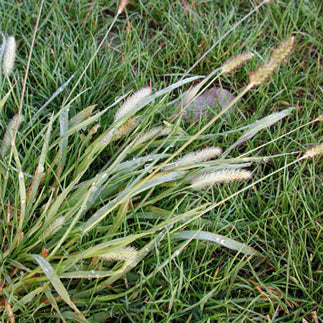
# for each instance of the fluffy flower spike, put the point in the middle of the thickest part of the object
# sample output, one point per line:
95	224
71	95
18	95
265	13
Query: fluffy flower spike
278	55
132	103
221	176
9	56
313	152
233	63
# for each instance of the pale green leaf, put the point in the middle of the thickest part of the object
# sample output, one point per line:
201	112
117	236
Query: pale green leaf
259	125
216	238
142	186
89	274
40	167
50	273
81	116
54	95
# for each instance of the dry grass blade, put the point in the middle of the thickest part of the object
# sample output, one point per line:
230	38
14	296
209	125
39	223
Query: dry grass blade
9	312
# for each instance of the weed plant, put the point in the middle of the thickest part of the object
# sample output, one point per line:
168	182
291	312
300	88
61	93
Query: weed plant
115	208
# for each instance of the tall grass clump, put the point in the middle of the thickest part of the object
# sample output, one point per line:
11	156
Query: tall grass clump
89	196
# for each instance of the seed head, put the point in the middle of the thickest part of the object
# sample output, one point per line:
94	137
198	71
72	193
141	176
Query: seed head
3	44
198	156
278	55
128	254
9	56
315	151
221	176
235	62
320	118
132	102
9	133
283	51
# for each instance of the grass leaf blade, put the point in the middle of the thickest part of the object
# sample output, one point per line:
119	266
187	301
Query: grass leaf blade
50	273
40	168
259	125
216	238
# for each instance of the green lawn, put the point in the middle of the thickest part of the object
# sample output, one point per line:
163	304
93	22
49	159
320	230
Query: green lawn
99	218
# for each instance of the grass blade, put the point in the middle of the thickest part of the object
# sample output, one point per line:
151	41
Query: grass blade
55	94
216	238
5	98
144	185
259	125
63	127
22	188
54	304
40	168
81	116
86	274
50	273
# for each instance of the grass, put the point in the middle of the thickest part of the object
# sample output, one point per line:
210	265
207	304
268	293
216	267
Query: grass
60	275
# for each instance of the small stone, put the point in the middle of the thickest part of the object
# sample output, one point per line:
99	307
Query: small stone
207	104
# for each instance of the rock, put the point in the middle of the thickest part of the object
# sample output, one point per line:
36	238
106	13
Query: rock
208	104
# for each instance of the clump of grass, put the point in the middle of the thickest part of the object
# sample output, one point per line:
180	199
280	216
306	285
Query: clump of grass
89	209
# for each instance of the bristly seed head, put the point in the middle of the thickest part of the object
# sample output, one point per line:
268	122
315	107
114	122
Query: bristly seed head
128	254
5	144
315	151
132	103
9	56
198	156
320	118
3	44
233	63
278	55
221	176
